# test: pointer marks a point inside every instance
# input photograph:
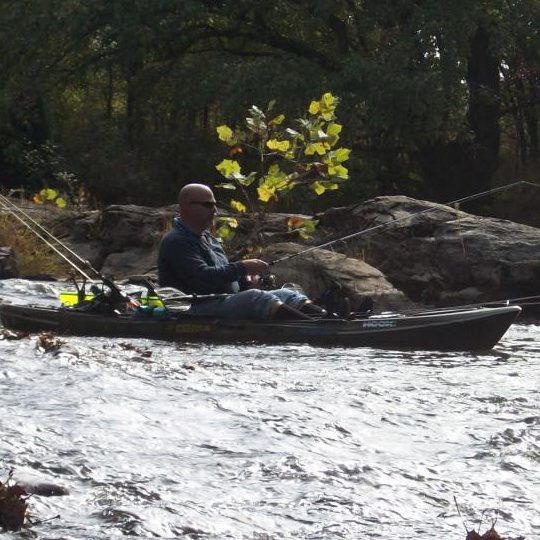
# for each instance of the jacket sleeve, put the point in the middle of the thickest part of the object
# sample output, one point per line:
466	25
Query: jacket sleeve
185	260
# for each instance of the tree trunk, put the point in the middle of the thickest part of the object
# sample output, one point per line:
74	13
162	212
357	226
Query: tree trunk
483	114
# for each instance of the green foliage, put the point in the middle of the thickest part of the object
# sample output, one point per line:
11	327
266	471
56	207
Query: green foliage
117	90
304	154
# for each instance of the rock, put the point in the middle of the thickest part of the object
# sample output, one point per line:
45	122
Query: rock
440	255
44	489
132	261
321	270
431	253
8	264
133	226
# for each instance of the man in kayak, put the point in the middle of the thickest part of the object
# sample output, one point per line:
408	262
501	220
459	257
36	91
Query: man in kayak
193	261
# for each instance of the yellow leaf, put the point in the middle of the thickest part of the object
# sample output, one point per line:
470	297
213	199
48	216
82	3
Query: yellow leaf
60	202
334	130
338	170
314	107
341	155
265	194
225	232
228	167
238	206
280	146
328	100
225	134
318	188
48	194
315	148
230	221
277	120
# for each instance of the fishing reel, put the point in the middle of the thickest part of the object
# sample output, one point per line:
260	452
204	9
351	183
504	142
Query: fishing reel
267	282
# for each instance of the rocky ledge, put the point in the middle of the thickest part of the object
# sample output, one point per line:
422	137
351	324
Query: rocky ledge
403	252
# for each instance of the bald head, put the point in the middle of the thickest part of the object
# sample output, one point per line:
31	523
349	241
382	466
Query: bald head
193	192
197	207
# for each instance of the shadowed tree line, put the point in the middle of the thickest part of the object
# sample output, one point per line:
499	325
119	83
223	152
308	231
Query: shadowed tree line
438	99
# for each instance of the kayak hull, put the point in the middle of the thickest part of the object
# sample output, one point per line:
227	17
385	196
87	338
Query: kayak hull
465	329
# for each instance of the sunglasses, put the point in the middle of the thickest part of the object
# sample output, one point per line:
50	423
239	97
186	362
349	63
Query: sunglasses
206	204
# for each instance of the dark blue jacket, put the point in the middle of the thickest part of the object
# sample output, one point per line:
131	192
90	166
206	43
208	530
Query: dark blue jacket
197	264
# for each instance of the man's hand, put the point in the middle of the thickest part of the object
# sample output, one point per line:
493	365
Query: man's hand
255	267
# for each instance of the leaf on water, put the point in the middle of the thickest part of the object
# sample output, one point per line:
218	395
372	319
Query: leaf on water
12	506
48	342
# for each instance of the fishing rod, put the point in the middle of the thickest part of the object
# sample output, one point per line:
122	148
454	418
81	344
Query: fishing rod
11	208
393	222
68	255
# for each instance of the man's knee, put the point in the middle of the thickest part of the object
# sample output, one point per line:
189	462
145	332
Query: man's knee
255	295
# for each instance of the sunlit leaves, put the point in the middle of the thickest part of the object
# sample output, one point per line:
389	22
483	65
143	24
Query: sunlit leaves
225	134
226	226
325	107
305	227
318	188
277	120
342	154
315	148
303	154
332	131
280	146
228	167
265	194
238	206
274	181
49	196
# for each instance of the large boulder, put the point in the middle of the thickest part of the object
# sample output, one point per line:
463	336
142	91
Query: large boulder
438	254
8	264
119	241
321	271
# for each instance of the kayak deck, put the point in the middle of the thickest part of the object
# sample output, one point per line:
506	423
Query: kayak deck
465	329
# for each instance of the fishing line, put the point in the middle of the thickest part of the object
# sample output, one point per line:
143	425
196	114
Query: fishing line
13	209
52	246
502	302
393	222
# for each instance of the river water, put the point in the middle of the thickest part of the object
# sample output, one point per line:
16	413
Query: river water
261	442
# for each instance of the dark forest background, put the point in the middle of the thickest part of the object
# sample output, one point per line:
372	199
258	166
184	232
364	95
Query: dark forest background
439	99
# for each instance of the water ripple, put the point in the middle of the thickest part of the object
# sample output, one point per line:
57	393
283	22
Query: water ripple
201	441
